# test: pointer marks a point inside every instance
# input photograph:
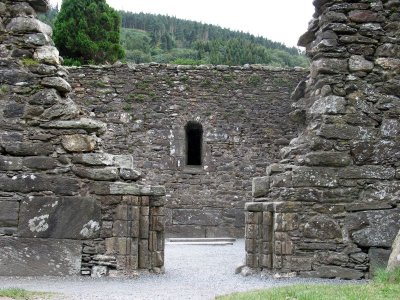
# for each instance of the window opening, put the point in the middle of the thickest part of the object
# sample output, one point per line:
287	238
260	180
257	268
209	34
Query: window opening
194	142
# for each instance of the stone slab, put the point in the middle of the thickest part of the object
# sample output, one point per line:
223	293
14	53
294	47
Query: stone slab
61	218
39	257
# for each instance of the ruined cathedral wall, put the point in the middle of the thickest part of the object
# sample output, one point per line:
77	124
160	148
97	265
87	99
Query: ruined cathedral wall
330	208
66	206
244	112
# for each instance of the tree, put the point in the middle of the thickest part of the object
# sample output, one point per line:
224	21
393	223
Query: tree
88	31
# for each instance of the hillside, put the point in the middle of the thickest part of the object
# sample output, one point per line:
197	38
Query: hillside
165	39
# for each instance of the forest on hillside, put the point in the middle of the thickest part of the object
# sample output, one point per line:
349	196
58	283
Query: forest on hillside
166	39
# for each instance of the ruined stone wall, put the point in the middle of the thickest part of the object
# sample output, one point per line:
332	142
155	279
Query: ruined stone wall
244	114
330	208
66	206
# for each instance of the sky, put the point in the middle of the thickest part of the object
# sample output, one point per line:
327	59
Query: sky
278	20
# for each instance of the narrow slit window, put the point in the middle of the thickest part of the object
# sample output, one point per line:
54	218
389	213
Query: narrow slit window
194	141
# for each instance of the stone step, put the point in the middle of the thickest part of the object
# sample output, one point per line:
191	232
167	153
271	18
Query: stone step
201	241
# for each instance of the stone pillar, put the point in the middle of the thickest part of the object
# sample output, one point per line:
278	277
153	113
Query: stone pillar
334	196
59	191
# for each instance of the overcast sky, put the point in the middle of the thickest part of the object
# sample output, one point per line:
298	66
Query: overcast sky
279	20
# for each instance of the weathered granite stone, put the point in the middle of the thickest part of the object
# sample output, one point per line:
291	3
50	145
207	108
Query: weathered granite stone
103	174
39	257
208	217
87	124
40	162
28	149
9	213
328	105
37	39
359	63
61	218
381	231
28	25
130	174
363	16
322	227
394	258
390	128
49	55
47	97
260	186
329	159
94	159
328	66
10	163
57	83
78	143
333	272
315	176
37	183
378	259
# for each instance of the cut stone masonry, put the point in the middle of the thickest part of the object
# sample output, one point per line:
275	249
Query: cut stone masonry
330	207
66	206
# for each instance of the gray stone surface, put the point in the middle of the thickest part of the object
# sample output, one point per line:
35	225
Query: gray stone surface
60	218
43	257
9	213
378	259
394	258
79	143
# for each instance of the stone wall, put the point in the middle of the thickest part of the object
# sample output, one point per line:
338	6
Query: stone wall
244	114
331	207
66	206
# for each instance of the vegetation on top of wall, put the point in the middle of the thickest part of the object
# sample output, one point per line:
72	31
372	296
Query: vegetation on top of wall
88	31
156	38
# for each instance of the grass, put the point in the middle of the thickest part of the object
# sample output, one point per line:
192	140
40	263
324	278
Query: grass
386	285
29	62
21	294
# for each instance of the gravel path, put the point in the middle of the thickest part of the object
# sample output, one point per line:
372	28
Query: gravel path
192	272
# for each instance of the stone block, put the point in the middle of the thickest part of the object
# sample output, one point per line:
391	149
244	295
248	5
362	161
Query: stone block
251	245
58	83
322	228
144	227
260	186
99	271
253	207
9	163
39	257
130	174
123	161
367	172
394	258
122	246
28	149
100	174
378	259
254	218
78	143
380	230
299	263
390	128
37	183
328	66
94	159
204	217
330	105
144	254
40	162
47	54
84	123
59	217
315	176
347	132
328	159
9	213
358	63
334	272
28	25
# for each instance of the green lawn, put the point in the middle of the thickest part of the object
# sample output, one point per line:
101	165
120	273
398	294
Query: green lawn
21	294
323	292
386	285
